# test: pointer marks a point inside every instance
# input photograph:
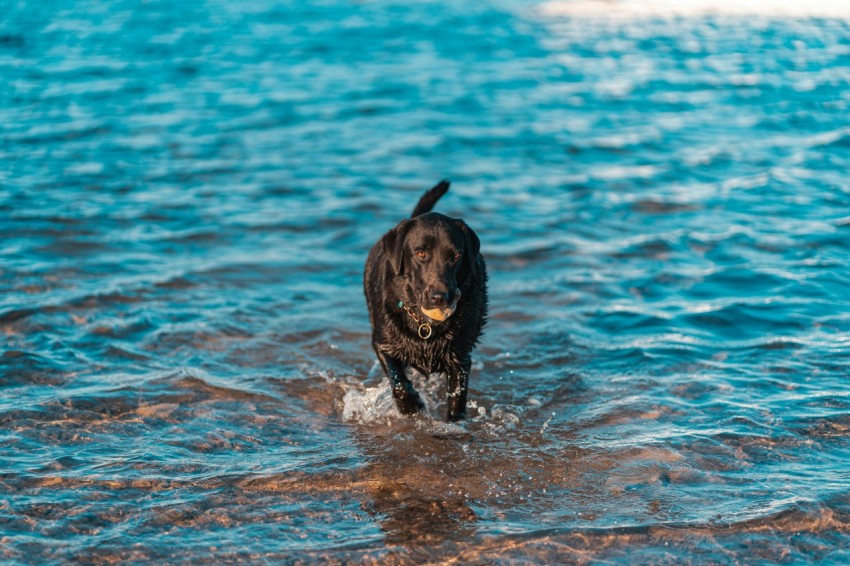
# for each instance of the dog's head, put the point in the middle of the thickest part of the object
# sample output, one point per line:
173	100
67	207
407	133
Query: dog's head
432	256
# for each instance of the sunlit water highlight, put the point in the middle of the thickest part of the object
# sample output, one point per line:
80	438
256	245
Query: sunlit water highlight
188	192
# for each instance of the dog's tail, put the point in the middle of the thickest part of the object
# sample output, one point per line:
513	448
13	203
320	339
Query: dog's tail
429	199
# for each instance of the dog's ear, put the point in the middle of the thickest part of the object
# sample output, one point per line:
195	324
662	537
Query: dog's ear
472	245
393	244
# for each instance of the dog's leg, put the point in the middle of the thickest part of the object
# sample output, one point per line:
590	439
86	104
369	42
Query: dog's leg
458	383
406	398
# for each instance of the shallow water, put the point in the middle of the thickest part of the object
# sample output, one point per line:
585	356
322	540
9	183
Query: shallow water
187	197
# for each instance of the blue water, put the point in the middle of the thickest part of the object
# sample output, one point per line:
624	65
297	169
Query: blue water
187	195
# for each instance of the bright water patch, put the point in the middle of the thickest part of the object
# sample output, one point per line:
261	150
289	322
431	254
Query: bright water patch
187	196
673	9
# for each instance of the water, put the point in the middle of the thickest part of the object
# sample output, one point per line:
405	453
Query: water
187	197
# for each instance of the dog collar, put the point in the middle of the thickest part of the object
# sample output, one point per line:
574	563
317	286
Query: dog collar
424	328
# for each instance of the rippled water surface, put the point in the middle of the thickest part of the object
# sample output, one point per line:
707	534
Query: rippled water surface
187	195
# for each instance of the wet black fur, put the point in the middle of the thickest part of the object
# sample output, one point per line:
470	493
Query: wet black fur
394	274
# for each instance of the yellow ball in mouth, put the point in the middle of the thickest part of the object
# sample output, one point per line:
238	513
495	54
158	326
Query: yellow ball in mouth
438	314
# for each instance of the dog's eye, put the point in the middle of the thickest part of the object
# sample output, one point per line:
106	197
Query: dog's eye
422	255
456	257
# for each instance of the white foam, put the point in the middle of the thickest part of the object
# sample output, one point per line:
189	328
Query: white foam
444	429
376	404
674	8
369	405
504	418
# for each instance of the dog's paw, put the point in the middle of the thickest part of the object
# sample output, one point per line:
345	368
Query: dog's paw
456	406
455	416
407	400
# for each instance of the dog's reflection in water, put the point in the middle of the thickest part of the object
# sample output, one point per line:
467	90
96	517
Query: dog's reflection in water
419	498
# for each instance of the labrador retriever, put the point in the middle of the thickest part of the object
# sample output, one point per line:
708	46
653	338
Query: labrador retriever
426	289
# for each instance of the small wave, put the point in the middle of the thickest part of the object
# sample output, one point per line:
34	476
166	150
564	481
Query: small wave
21	367
658	206
835	138
207	388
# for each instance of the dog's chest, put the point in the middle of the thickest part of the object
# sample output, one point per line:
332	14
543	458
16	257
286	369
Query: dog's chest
430	355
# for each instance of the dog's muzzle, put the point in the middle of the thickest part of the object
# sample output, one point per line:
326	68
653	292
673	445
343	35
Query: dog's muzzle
441	313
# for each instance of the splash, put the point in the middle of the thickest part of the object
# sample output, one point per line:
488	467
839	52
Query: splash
369	404
375	405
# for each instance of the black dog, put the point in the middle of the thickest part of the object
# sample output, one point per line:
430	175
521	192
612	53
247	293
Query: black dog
426	288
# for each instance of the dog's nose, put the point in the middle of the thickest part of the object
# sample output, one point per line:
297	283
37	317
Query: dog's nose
441	298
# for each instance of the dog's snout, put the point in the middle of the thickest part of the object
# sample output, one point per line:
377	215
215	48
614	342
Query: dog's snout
441	297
